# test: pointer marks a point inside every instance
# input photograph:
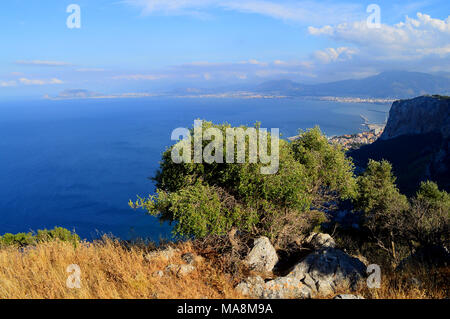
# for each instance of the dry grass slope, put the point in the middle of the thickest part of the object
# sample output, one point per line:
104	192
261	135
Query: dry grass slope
111	270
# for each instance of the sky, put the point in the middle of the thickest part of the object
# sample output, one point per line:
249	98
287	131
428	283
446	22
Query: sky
135	46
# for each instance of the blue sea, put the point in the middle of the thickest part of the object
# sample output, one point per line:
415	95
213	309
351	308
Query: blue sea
76	163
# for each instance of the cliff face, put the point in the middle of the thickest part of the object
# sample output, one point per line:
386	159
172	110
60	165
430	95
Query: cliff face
421	115
416	140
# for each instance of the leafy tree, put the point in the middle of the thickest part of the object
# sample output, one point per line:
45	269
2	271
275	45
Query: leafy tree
382	204
213	198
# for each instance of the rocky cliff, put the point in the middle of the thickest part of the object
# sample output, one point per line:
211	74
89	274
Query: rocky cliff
421	115
416	140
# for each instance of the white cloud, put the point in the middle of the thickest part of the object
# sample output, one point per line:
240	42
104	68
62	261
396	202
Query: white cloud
298	11
254	62
413	38
328	30
279	62
332	55
43	63
7	83
27	81
440	51
419	44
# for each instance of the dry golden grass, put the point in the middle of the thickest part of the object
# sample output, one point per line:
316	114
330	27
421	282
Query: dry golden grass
108	270
417	283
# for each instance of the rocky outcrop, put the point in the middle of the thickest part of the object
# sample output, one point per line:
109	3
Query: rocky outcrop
279	288
320	240
263	256
416	141
322	272
329	269
421	115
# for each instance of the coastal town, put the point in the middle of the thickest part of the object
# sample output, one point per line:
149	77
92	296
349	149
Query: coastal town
354	141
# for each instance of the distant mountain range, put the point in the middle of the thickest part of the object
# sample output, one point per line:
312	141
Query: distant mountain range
384	88
393	84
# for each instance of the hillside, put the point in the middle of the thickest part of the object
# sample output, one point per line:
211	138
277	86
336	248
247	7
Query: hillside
393	84
111	269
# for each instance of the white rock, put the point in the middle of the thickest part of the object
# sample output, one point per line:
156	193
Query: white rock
263	256
320	240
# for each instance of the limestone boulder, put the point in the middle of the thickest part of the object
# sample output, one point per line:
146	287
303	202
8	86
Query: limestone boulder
263	256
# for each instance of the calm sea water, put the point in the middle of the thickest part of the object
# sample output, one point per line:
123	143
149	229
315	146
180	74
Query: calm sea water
77	163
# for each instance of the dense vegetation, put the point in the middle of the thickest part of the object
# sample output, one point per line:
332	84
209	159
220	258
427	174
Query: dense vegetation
313	180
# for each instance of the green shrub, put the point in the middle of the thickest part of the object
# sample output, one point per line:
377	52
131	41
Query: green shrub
20	239
58	233
428	221
430	194
377	192
25	239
